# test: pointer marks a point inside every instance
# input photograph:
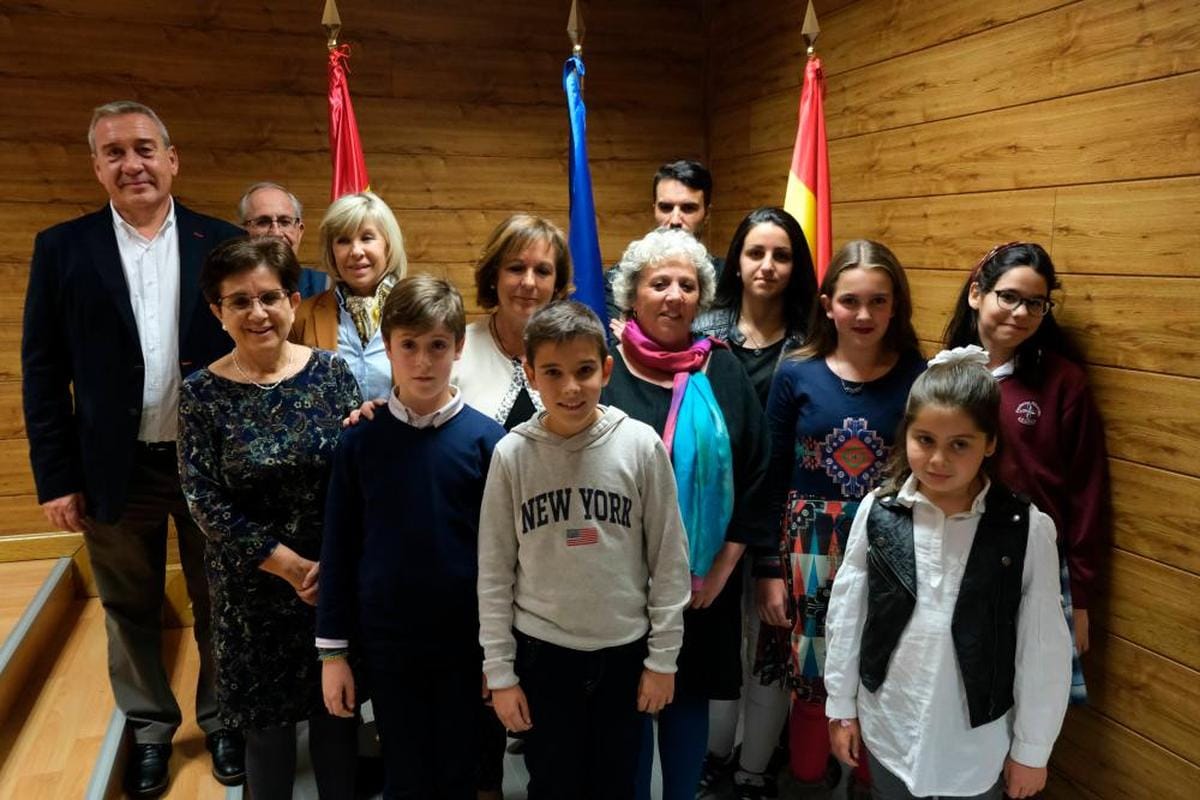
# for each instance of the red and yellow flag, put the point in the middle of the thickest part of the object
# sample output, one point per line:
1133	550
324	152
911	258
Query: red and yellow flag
807	196
349	167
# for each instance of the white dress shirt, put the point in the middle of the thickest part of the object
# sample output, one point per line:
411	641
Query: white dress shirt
434	419
917	724
151	269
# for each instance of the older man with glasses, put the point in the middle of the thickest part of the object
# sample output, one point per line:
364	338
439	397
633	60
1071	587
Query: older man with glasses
268	209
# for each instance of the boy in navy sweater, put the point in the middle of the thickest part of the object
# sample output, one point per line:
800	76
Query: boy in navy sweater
399	559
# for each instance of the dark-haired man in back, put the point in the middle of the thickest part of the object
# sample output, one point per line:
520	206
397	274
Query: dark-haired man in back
682	192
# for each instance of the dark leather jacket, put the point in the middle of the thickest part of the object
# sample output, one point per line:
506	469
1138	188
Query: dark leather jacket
984	627
722	323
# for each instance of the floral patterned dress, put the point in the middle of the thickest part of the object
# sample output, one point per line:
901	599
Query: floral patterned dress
830	443
254	464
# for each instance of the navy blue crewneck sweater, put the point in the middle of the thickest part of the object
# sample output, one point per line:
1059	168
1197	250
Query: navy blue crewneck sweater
399	559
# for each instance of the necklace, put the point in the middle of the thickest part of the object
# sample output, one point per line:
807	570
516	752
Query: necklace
500	342
753	339
287	368
849	387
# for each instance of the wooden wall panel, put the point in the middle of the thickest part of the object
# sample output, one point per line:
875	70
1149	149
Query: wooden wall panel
1150	419
1111	761
1166	626
853	36
955	126
459	103
1146	693
1155	514
1079	139
1134	228
956	78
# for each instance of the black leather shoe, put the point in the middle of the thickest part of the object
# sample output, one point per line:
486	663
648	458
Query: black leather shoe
146	773
228	751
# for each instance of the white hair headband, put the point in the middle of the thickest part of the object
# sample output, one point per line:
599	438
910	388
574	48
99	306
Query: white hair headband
971	354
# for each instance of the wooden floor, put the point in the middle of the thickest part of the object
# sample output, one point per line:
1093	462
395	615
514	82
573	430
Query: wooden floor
55	731
20	581
191	769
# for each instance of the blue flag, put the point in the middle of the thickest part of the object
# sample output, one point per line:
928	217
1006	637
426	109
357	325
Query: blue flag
583	239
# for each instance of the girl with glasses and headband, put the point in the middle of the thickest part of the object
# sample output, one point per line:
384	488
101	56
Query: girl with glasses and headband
1052	434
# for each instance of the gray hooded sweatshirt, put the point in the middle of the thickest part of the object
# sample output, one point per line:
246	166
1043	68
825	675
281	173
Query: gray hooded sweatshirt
581	544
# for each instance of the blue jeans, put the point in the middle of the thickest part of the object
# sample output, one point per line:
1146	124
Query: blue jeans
682	742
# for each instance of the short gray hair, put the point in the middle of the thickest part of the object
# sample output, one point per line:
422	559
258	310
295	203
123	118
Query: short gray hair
119	108
244	203
654	248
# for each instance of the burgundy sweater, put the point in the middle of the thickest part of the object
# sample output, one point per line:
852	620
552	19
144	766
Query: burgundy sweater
1052	449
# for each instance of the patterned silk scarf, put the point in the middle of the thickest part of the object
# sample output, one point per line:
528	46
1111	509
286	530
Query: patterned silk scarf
366	311
696	439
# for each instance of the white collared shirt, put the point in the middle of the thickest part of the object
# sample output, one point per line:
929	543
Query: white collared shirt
435	419
151	269
917	723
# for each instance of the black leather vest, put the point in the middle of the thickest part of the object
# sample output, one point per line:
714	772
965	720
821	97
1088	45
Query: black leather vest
984	627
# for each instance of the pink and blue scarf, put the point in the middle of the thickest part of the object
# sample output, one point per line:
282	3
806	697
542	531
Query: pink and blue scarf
696	439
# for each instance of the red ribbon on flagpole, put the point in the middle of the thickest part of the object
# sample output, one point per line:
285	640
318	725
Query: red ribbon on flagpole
345	147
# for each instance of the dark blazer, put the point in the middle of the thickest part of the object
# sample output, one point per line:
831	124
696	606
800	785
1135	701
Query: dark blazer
81	362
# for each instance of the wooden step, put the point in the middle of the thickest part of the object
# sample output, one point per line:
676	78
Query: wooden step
55	727
190	767
19	584
44	593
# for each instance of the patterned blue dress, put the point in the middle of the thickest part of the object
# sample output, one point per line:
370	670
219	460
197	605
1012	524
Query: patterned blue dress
255	464
830	443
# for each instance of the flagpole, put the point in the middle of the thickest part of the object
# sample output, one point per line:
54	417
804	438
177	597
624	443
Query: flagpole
811	30
576	30
583	238
331	21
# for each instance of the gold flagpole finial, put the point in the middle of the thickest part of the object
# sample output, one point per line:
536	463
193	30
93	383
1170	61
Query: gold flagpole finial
331	22
575	28
811	29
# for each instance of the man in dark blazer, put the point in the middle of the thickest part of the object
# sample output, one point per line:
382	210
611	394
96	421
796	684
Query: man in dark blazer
113	321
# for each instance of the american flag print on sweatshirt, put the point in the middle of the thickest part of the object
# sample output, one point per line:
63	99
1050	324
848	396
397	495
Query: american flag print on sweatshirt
582	536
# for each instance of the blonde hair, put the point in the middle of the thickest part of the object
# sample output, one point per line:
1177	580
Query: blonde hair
347	215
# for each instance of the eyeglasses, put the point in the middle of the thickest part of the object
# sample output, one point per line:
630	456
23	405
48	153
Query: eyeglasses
1011	301
242	303
264	223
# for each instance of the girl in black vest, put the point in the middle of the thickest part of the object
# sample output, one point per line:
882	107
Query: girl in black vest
948	655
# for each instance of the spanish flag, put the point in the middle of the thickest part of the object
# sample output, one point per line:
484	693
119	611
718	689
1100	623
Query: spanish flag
807	196
349	167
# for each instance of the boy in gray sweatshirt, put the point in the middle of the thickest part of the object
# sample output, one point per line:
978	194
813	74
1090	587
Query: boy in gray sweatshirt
583	572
